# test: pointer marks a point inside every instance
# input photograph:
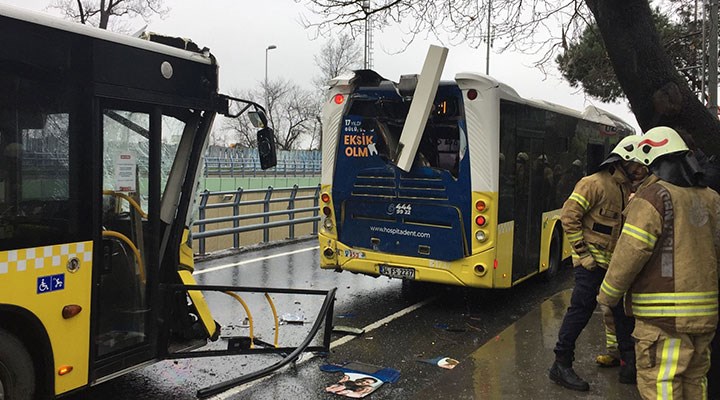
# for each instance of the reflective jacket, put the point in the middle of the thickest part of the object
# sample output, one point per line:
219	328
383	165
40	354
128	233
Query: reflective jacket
592	215
667	258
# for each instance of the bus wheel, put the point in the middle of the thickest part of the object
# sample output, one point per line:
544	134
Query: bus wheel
17	374
554	259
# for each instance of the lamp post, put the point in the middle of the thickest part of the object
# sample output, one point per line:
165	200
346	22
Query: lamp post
271	47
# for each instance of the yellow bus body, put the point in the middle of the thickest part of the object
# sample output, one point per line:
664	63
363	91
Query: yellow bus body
490	265
22	272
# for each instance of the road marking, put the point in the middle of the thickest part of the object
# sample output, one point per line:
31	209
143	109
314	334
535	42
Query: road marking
339	342
383	321
237	264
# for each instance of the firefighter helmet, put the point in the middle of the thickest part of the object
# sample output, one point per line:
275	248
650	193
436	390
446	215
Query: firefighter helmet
625	150
658	142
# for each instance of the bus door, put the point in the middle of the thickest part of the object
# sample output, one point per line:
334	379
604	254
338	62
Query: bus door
528	204
130	176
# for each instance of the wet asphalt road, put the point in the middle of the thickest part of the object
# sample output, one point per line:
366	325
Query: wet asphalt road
448	321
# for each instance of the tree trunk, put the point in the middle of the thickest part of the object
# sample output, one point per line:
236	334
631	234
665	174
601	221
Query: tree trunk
657	93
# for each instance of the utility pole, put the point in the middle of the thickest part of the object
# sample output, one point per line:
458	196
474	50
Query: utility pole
487	54
713	59
271	47
367	59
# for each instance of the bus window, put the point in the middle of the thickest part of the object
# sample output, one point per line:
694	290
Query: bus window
35	194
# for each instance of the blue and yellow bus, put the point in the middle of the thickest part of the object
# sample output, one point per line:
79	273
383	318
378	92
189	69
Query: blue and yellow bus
101	138
480	205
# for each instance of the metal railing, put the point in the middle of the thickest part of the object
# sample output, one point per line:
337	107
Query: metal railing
291	198
242	167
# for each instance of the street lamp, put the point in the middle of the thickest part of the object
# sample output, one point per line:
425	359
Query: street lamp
271	47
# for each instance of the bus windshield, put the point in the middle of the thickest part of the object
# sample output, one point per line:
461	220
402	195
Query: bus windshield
376	117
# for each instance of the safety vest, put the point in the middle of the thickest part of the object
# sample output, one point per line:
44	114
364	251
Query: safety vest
666	259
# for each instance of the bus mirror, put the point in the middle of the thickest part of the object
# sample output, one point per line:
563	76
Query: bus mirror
266	148
258	119
407	85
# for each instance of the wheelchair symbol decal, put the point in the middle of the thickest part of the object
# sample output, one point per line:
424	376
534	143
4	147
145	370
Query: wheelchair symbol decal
50	283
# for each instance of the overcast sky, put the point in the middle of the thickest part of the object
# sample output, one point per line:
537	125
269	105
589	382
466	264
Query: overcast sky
238	32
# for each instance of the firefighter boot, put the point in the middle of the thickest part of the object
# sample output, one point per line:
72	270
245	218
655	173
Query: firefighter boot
607	360
563	374
628	371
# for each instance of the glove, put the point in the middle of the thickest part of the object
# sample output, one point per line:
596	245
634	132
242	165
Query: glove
588	262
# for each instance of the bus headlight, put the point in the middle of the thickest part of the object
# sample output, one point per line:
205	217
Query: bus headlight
480	236
328	224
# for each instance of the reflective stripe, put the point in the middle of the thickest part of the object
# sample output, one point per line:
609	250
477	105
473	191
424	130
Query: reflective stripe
639	234
668	368
609	290
580	200
600	256
610	340
676	298
574	237
674	311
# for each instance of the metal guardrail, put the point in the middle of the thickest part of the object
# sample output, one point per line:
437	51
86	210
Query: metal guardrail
236	204
242	167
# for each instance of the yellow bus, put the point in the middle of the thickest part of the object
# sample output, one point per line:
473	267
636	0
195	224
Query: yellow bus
101	136
480	204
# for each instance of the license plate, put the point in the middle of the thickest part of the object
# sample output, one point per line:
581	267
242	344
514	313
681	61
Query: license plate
397	272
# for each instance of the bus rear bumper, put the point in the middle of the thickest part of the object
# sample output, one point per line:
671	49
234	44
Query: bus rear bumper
474	271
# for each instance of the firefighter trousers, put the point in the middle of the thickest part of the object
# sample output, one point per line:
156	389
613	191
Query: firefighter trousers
582	306
671	365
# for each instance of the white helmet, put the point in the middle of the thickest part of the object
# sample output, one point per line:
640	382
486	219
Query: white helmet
625	150
658	142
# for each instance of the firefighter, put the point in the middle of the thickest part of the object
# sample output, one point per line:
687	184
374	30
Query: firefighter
666	265
592	218
611	358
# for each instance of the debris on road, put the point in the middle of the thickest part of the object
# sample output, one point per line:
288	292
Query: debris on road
442	362
347	330
289	318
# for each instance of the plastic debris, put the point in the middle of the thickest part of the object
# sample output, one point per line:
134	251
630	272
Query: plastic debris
442	362
289	318
348	330
387	375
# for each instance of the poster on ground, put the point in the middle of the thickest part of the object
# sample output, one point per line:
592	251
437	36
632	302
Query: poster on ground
354	385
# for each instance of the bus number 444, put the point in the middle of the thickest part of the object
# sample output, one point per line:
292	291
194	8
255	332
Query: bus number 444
402	209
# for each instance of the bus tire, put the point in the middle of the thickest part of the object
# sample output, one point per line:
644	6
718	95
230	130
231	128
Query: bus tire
17	373
554	257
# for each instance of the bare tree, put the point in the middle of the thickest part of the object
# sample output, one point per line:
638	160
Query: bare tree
337	55
657	93
100	12
292	113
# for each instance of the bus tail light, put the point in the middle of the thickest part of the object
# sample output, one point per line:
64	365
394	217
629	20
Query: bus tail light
481	236
339	98
480	220
325	198
327	211
472	94
480	205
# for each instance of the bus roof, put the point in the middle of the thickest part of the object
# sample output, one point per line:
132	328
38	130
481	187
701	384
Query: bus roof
591	113
102	34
